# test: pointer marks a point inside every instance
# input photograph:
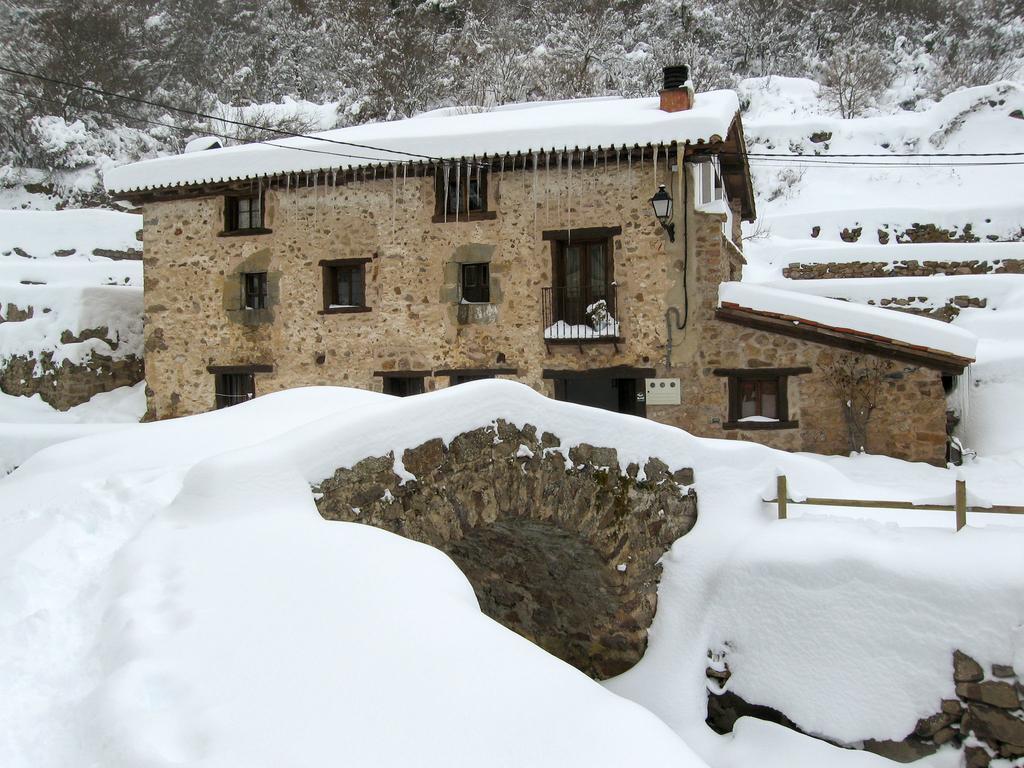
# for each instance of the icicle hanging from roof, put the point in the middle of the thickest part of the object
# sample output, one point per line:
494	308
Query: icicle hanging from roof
535	192
479	186
447	175
558	186
568	196
547	186
458	189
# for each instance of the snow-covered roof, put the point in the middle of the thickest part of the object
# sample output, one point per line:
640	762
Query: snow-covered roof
447	134
844	317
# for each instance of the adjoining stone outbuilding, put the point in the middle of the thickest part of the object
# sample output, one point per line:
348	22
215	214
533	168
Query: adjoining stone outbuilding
575	246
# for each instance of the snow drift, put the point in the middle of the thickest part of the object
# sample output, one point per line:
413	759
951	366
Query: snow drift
170	595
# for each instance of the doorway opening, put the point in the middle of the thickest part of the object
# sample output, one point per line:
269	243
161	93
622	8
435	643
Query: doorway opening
620	390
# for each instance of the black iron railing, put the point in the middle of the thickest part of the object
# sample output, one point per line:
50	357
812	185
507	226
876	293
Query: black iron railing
578	316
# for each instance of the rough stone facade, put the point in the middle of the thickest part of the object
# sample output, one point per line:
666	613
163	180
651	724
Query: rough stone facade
194	320
901	268
985	719
560	545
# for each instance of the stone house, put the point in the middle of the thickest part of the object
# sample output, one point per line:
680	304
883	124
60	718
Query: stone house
577	247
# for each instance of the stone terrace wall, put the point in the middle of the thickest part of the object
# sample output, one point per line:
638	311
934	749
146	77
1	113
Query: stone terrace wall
904	268
559	545
65	384
985	719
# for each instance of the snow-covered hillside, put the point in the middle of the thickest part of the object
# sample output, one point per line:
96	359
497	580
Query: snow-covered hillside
854	199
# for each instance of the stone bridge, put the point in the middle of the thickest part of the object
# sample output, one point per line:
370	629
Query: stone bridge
559	545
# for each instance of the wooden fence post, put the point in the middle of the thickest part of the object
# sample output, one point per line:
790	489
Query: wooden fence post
781	495
961	504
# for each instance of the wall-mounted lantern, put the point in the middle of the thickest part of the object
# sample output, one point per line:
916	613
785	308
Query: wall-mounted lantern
662	205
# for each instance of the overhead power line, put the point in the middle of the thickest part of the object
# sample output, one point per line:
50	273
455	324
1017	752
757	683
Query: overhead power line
201	115
763	159
180	128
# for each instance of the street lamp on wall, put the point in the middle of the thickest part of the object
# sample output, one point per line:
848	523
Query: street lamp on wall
662	205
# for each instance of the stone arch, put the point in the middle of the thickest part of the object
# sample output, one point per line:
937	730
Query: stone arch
559	545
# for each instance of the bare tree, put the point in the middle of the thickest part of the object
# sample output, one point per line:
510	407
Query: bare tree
858	381
853	76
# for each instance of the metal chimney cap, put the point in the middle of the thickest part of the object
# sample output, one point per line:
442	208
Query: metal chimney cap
676	76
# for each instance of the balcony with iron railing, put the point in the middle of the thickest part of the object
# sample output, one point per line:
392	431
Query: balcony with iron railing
575	316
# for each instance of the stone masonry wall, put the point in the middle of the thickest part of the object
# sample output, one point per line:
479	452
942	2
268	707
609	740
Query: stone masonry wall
66	385
984	719
416	323
902	268
559	545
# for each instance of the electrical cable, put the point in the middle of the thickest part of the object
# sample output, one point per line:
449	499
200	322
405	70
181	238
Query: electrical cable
180	128
228	121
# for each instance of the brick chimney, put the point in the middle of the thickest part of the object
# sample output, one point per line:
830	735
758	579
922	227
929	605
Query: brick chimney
677	93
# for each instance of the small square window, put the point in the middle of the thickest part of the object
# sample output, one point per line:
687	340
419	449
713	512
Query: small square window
758	399
476	283
403	386
242	214
254	290
234	388
345	285
461	191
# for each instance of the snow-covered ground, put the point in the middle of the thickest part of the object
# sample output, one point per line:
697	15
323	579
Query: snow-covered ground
169	594
27	424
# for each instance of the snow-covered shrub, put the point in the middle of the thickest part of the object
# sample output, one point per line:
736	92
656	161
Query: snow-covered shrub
63	144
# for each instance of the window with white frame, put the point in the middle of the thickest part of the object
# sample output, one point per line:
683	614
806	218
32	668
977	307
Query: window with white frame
711	189
709	180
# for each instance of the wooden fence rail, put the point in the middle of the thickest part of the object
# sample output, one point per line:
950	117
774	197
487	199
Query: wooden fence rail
960	506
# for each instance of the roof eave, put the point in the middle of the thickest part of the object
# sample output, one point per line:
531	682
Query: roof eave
843	338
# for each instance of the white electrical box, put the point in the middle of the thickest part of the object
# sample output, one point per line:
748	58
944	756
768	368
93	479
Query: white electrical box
663	391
